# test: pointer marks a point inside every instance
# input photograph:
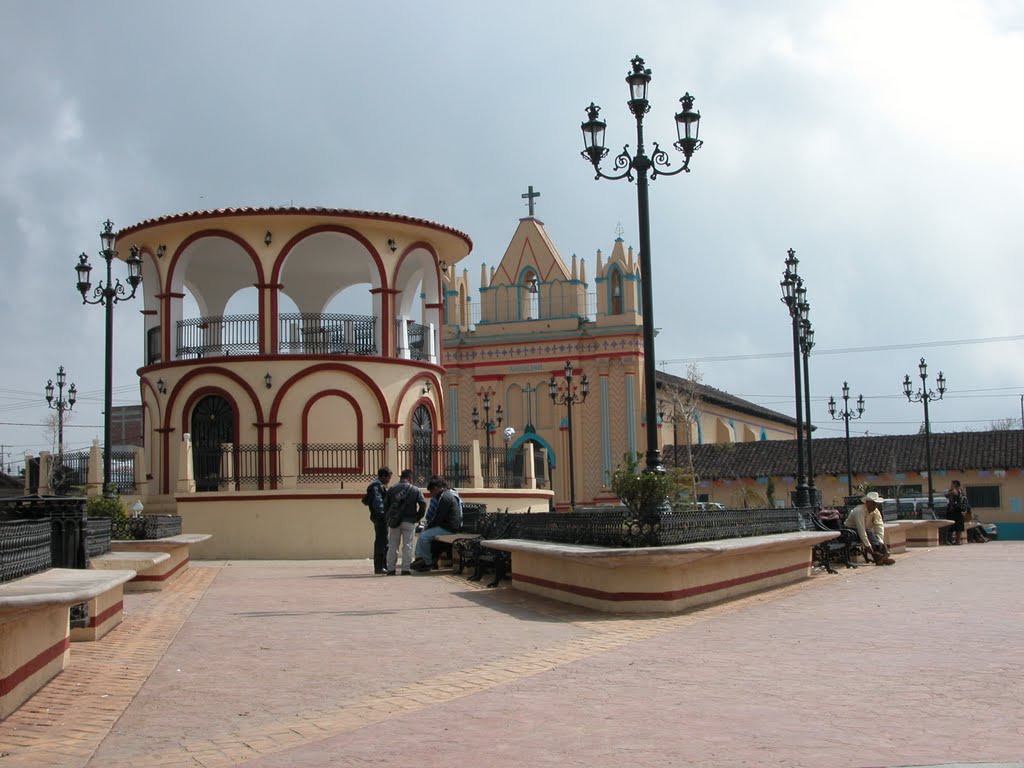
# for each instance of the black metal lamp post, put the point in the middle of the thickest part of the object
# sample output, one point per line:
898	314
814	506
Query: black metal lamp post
640	164
60	406
924	395
570	398
488	426
108	293
846	414
792	285
806	345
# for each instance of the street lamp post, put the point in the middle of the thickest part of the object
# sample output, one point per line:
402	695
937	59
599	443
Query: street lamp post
108	293
488	426
60	405
846	414
637	167
806	345
924	395
793	295
569	398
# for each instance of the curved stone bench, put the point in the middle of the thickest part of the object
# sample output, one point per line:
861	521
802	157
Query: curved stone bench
176	547
924	533
35	627
660	579
896	537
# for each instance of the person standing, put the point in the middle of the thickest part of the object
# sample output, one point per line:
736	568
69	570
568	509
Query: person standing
956	512
374	499
404	505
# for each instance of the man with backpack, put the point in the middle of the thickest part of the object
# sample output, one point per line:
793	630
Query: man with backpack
374	499
446	519
404	505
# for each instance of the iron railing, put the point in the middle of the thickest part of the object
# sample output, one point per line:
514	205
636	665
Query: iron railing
249	468
617	527
333	462
122	471
24	548
145	527
456	463
326	334
417	341
97	536
215	336
71	470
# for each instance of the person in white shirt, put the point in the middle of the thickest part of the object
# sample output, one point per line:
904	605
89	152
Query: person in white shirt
866	519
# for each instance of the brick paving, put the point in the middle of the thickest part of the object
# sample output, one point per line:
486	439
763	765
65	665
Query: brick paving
319	664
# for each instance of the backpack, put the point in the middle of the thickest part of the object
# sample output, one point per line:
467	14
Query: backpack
393	516
366	496
455	513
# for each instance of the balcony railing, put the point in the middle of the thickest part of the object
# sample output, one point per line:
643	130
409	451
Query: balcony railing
315	334
508	308
298	333
216	336
336	462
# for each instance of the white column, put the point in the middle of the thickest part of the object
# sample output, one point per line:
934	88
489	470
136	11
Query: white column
186	479
289	465
227	468
45	465
529	476
431	341
94	472
476	474
402	338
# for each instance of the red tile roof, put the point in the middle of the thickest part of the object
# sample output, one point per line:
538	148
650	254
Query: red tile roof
285	210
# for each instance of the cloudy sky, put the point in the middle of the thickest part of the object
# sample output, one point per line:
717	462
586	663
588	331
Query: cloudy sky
878	139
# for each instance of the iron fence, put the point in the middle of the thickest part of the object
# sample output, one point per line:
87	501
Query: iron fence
417	337
145	527
122	471
617	527
334	462
253	465
97	536
326	334
456	462
500	468
71	470
24	548
221	335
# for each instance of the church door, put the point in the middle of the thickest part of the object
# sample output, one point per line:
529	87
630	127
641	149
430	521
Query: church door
213	424
422	445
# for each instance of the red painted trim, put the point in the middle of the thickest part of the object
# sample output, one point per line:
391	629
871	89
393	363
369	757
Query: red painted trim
306	469
148	312
168	285
220	498
165	576
29	668
386	315
676	594
233	213
491	377
169	295
105	616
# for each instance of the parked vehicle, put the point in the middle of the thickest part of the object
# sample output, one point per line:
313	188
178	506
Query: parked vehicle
915	508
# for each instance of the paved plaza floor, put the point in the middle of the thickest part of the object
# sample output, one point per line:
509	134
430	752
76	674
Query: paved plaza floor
323	664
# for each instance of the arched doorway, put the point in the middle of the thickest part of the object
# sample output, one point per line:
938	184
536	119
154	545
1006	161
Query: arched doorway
422	445
213	424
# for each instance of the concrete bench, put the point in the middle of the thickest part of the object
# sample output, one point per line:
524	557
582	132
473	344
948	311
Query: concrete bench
659	579
35	631
896	537
445	544
924	533
142	563
159	574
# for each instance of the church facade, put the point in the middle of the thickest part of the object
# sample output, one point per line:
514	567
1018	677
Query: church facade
540	316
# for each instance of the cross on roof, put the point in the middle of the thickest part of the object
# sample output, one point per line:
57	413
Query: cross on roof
529	196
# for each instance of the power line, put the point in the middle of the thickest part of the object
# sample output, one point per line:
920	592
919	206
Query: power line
844	350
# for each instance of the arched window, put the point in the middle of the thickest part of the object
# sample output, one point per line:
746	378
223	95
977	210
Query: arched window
531	284
615	293
213	424
422	445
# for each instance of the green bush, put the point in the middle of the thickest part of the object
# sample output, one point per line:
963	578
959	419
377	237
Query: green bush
106	506
646	491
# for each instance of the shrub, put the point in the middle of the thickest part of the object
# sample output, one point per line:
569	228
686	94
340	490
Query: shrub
645	491
106	506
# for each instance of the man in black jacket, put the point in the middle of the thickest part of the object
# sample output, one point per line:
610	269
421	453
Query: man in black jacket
375	496
404	506
446	519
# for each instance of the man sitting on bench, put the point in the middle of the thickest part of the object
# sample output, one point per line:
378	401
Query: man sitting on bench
446	519
866	519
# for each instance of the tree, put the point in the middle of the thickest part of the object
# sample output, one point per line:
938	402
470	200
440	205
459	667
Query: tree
685	401
644	491
1004	425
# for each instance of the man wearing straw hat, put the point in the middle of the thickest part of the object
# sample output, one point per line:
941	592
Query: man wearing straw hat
866	519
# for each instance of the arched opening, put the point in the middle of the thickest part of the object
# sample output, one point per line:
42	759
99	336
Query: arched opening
615	293
213	424
422	445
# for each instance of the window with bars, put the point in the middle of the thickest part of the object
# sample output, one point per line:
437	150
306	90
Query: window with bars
982	495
